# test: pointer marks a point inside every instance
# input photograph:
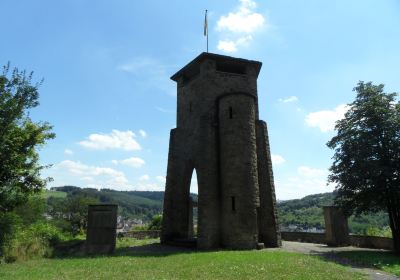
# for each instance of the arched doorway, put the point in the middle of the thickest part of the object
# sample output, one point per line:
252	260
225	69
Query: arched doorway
193	206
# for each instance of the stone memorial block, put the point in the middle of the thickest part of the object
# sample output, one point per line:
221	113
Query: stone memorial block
336	227
101	228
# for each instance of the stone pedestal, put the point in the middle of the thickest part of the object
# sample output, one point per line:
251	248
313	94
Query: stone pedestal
101	229
336	227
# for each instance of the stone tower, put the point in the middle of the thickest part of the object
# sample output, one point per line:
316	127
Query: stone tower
219	134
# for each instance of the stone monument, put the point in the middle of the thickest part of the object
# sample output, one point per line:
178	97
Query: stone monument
220	135
101	228
336	226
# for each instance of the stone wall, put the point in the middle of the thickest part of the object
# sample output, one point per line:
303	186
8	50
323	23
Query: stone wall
217	134
362	241
306	237
373	242
141	234
268	225
238	167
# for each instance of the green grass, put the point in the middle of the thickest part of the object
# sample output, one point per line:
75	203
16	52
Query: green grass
47	193
385	261
153	263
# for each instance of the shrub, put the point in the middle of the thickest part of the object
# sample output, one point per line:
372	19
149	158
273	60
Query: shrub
156	223
32	242
382	232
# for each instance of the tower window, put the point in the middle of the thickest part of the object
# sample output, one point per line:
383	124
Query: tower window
233	203
190	107
233	68
230	112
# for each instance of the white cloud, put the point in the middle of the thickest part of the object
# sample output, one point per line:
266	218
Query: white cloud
137	65
236	27
161	179
144	177
149	187
88	179
289	99
68	152
79	168
244	20
97	176
227	46
123	140
232	46
325	120
142	133
145	184
277	159
134	162
150	74
307	181
163	110
309	172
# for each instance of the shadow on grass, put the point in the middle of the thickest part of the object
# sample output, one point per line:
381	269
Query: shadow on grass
77	250
381	260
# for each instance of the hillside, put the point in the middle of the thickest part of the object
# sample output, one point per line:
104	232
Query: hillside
132	204
307	213
296	214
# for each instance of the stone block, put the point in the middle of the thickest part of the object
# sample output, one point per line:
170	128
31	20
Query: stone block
336	227
101	228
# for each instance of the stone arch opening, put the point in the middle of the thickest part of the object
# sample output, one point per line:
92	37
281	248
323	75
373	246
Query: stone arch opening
193	205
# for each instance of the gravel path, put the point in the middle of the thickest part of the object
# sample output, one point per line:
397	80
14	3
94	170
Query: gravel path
330	254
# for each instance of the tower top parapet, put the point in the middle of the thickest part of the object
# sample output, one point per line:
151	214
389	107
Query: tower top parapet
223	64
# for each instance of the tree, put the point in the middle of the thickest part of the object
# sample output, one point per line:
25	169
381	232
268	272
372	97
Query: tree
20	138
73	210
156	223
366	161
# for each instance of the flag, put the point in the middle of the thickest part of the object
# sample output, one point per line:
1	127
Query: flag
205	25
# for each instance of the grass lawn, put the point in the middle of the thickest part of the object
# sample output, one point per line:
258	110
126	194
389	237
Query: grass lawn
158	264
380	260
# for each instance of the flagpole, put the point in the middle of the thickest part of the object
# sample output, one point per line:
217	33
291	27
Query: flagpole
207	32
207	41
206	28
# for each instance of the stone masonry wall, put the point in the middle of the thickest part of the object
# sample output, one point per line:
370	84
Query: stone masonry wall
217	110
268	226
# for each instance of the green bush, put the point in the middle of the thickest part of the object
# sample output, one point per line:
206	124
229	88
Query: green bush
24	246
143	227
9	222
381	232
32	242
156	223
48	232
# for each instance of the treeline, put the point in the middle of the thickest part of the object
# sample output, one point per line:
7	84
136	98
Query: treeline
304	213
131	204
307	213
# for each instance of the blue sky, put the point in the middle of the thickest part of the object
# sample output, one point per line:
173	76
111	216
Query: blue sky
106	68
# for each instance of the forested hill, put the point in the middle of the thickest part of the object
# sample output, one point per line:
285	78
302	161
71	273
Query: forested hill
131	204
307	213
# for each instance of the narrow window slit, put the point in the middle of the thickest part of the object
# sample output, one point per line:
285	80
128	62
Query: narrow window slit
190	107
233	203
230	112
